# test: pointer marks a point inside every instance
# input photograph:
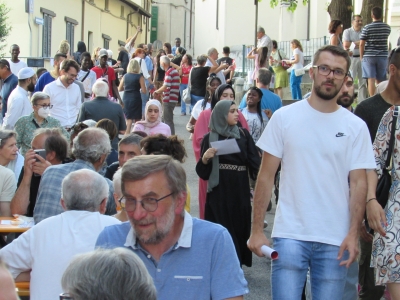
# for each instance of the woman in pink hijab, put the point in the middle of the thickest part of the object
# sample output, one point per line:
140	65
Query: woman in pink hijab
152	121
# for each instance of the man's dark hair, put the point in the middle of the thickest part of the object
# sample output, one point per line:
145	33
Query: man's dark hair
226	50
13	45
394	57
377	12
70	63
355	16
59	55
141	46
177	38
109	126
336	51
40	71
4	63
131	139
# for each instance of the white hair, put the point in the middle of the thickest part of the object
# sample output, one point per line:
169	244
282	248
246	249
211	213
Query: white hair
164	59
90	123
90	144
117	183
210	51
84	190
123	276
100	88
110	53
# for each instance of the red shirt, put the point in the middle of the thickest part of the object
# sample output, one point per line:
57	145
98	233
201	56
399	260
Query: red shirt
185	73
172	81
107	73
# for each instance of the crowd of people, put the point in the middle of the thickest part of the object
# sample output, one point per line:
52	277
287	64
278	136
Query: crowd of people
83	144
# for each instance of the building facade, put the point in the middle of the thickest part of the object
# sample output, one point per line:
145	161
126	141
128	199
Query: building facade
38	26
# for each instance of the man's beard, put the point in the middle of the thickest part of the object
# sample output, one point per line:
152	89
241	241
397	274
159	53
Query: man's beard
345	100
31	87
327	95
163	227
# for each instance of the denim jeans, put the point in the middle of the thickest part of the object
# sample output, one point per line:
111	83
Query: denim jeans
194	99
295	82
145	97
289	272
183	104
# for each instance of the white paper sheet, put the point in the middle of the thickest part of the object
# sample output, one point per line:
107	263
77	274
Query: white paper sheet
5	222
226	146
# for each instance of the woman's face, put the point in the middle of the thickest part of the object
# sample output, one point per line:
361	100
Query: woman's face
165	49
233	115
213	86
339	30
227	95
9	150
293	45
152	113
252	98
184	59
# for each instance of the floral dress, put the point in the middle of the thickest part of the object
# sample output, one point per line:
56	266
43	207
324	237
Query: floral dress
386	250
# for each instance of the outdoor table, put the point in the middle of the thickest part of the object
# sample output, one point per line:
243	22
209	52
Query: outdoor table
11	228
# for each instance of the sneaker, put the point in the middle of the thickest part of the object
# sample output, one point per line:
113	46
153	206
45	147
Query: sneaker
183	114
265	224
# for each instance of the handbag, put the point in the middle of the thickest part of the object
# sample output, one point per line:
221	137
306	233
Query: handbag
284	64
385	181
186	92
299	72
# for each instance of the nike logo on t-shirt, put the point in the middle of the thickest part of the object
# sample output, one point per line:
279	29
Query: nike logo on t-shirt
339	134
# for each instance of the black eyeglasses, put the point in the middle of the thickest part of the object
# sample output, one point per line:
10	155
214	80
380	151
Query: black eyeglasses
45	106
149	204
65	296
325	71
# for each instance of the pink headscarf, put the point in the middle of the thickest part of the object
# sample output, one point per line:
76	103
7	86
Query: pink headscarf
146	124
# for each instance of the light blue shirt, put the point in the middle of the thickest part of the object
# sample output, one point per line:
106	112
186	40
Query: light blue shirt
269	101
202	265
149	63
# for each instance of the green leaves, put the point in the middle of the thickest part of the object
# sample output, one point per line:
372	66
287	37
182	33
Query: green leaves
290	4
5	27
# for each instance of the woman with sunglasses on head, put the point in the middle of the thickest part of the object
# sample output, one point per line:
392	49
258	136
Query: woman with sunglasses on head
228	189
335	29
39	118
223	92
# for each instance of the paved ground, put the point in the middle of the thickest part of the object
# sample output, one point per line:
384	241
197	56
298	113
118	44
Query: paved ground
257	276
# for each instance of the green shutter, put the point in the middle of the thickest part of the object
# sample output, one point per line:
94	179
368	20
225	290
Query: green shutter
154	23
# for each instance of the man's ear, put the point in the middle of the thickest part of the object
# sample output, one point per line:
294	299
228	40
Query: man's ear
311	73
180	202
63	204
103	206
50	156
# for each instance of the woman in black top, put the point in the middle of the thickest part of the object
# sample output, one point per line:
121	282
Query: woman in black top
160	73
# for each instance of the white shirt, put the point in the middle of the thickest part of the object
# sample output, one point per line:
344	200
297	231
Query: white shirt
220	74
8	185
197	109
318	150
15	67
89	80
48	247
18	106
265	41
66	102
143	67
300	64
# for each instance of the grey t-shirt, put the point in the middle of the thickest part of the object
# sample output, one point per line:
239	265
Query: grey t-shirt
350	35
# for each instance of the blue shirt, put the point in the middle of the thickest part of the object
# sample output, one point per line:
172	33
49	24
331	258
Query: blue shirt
46	78
202	265
149	63
269	101
9	84
49	194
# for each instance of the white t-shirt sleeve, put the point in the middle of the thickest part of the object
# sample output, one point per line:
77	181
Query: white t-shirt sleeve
346	36
362	156
271	140
197	109
8	186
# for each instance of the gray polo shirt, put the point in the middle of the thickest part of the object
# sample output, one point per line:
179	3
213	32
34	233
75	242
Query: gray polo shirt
350	35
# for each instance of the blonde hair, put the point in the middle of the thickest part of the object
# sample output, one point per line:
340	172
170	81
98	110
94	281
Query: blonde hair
64	47
133	66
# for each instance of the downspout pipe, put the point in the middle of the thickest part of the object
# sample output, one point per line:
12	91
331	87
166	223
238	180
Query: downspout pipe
128	17
83	22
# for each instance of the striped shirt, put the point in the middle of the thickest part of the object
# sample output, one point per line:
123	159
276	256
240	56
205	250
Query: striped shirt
375	36
172	82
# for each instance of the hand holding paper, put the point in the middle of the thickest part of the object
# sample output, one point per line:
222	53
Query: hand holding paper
268	252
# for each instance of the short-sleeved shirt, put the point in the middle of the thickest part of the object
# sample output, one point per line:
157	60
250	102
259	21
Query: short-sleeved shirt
9	84
18	106
375	36
15	67
228	60
314	190
8	184
123	57
89	81
198	80
350	35
185	73
172	82
269	100
107	73
220	74
202	265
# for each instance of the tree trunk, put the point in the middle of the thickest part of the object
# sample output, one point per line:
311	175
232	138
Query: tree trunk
366	9
341	10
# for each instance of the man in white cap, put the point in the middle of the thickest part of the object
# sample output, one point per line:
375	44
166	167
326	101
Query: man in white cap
18	102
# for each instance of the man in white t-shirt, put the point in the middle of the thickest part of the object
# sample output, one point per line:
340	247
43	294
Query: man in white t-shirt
15	63
324	151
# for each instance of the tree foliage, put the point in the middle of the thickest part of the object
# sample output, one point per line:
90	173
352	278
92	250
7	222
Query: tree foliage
292	3
341	10
5	27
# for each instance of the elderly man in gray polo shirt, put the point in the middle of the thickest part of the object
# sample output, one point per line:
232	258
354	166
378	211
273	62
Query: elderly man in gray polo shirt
352	36
188	258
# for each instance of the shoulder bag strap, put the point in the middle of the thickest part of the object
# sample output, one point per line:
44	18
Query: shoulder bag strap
392	134
279	53
87	74
189	82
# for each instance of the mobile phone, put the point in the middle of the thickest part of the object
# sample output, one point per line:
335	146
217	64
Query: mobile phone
41	152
